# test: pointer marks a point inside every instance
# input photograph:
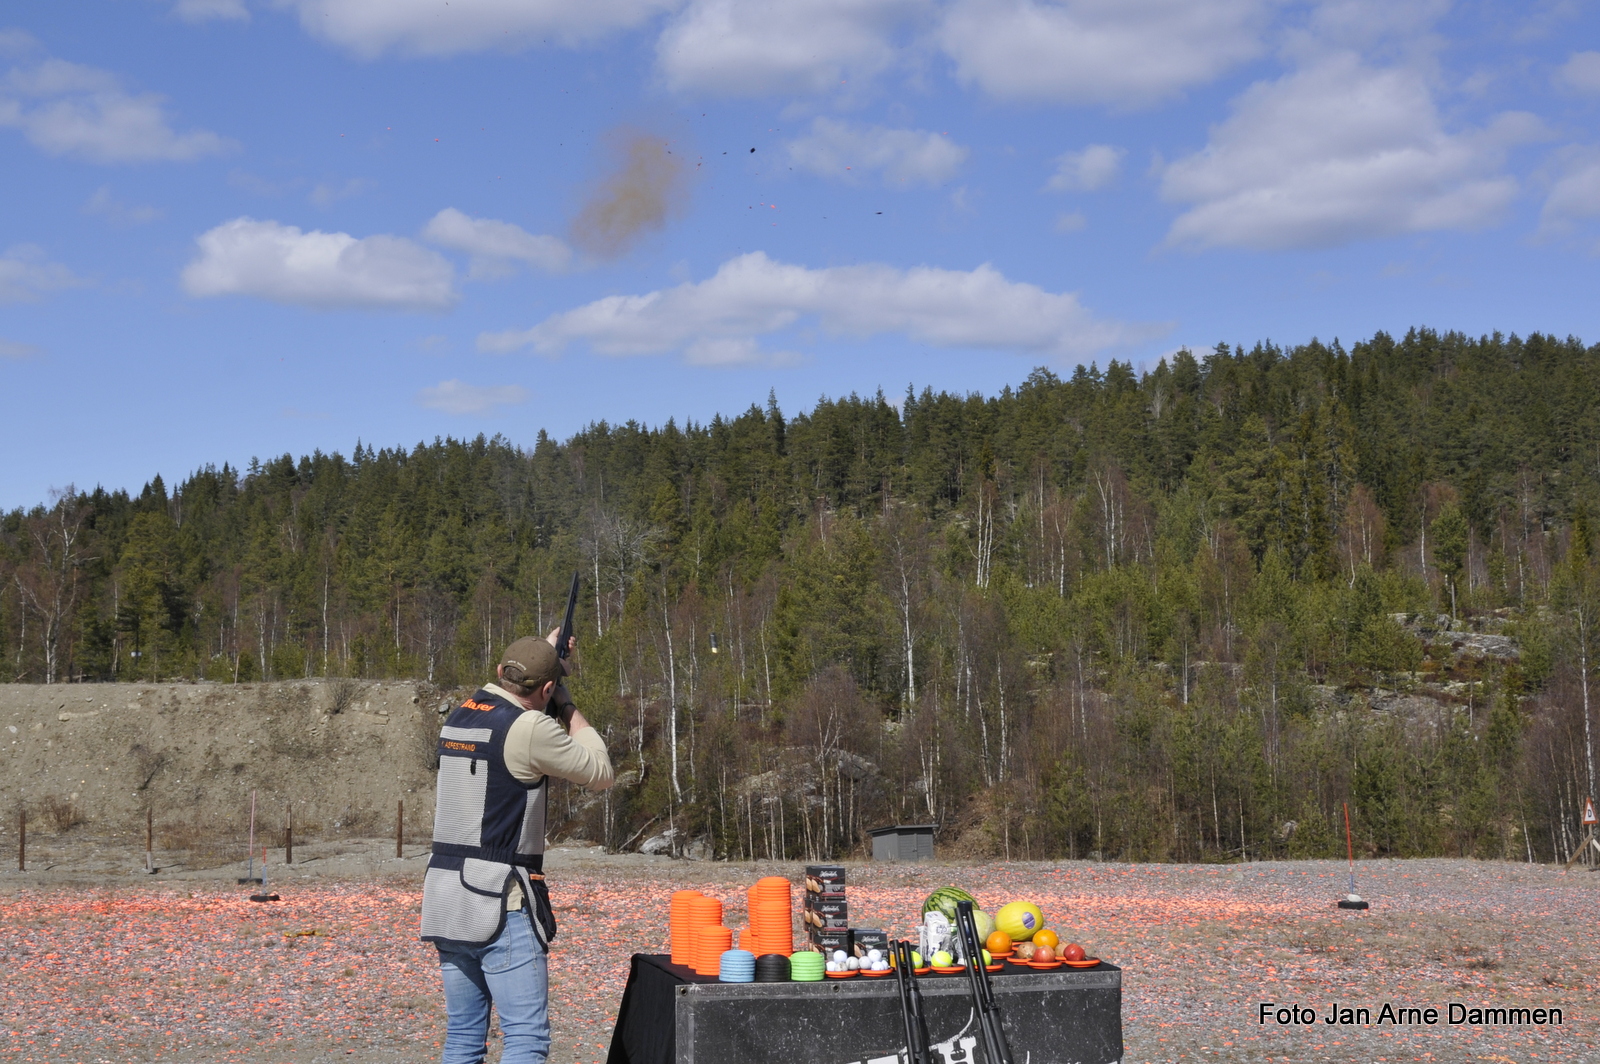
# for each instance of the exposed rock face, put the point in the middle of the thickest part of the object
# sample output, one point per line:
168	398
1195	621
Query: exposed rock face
661	843
1439	690
1409	706
1480	645
1436	631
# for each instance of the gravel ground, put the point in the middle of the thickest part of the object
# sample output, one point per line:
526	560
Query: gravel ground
108	966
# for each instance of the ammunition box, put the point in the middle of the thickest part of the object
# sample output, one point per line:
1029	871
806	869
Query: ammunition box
863	939
831	939
826	912
825	879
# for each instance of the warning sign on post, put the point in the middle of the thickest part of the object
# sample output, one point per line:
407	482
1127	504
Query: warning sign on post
1588	811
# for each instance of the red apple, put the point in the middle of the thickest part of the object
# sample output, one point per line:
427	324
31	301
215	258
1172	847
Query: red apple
1072	952
1044	955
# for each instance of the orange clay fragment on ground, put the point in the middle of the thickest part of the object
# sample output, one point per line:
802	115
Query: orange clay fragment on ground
334	971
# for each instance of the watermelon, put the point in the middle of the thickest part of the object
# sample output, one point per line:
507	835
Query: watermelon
944	900
1020	920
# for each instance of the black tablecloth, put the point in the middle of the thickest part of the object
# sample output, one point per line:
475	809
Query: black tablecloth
646	1030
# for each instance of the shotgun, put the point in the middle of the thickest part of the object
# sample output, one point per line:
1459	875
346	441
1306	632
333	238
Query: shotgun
565	637
995	1048
911	1006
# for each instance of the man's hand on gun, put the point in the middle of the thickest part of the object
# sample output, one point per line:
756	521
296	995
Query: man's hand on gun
560	705
554	639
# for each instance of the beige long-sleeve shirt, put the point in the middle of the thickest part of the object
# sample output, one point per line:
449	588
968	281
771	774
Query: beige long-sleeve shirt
537	745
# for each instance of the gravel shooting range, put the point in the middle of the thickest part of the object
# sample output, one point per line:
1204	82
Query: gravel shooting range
800	532
113	961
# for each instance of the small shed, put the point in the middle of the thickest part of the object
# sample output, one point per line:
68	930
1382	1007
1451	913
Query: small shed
903	842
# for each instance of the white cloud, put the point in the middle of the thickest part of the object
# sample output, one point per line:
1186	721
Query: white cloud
1084	171
1339	152
17	351
496	245
1581	72
115	211
211	10
316	269
326	195
842	151
1123	52
720	320
26	276
69	109
458	397
1360	25
1575	195
1071	223
261	186
431	27
15	42
752	47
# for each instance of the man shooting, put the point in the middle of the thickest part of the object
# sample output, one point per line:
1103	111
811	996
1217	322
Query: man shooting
484	900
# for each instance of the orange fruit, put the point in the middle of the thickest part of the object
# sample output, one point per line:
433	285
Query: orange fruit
998	942
1046	937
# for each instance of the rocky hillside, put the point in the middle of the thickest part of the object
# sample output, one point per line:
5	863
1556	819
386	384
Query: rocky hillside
340	754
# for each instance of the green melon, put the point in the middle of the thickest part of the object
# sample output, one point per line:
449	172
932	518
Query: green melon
944	900
983	923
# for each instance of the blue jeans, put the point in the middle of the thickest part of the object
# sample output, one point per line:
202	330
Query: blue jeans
512	974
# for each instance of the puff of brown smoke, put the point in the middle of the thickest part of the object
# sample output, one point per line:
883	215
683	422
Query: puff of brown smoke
646	188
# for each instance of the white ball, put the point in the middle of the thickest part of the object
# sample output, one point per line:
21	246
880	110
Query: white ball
839	955
874	955
852	965
832	966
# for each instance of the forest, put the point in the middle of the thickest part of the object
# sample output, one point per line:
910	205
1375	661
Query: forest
1191	614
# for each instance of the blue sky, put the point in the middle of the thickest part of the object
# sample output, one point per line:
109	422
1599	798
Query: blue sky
238	228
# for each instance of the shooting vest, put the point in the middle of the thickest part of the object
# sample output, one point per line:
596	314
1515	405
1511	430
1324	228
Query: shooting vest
488	830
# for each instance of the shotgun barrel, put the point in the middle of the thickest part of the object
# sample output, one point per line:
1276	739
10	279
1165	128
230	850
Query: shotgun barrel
917	1050
995	1047
902	981
565	637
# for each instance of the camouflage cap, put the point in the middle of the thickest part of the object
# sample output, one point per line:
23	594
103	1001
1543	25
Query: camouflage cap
531	662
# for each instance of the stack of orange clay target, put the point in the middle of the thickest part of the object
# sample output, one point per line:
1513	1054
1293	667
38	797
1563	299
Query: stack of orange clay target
681	924
771	918
713	941
698	938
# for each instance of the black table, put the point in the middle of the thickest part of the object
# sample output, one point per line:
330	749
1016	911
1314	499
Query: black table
670	1015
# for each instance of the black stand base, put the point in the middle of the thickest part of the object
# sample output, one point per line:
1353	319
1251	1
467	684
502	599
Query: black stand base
246	880
265	897
1353	904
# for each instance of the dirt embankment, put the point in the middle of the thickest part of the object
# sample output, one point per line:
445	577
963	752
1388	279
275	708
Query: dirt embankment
340	753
